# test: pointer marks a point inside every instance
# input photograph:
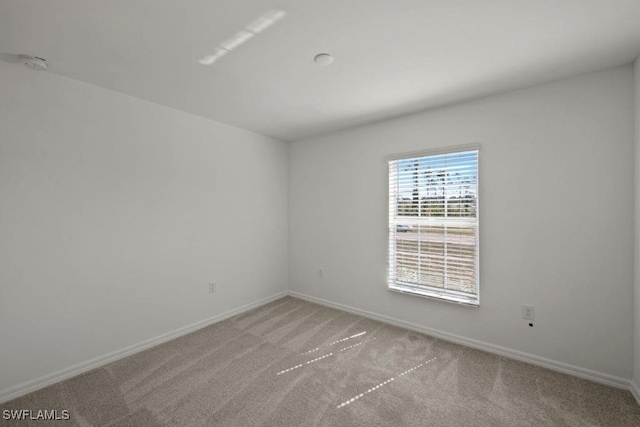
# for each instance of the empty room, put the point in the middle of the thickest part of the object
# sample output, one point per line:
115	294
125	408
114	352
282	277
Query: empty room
320	213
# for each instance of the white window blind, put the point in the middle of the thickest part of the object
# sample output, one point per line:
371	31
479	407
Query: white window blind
433	225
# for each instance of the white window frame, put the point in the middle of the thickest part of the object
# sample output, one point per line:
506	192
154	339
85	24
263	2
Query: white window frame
440	294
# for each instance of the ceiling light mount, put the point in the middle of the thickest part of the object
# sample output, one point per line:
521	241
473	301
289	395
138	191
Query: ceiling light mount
33	62
323	59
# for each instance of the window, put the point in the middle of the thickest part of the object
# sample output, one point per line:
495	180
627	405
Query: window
433	224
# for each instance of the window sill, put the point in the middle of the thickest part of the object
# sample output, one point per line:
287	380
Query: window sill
435	295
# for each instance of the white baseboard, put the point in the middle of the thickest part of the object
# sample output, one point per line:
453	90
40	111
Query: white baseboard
46	380
635	390
72	371
554	365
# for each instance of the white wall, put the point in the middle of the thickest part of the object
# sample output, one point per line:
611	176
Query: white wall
556	207
115	213
636	351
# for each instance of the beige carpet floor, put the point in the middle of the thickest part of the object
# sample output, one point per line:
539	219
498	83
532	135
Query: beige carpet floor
294	363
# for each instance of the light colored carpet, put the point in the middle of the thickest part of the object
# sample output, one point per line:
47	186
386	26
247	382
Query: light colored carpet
293	363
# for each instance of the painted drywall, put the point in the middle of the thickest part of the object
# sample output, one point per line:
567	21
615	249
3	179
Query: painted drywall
556	207
636	336
115	213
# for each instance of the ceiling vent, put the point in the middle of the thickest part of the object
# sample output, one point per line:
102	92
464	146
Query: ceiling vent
33	62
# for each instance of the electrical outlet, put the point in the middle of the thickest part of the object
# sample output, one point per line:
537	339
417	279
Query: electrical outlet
320	273
212	287
528	312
